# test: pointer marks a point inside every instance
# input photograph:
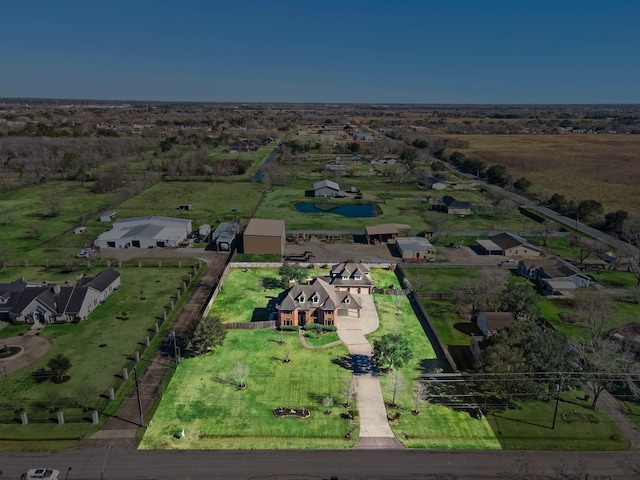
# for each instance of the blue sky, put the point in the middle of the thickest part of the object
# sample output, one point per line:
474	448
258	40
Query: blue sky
373	51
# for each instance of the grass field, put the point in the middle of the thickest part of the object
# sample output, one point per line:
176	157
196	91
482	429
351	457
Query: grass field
601	167
404	203
203	399
97	348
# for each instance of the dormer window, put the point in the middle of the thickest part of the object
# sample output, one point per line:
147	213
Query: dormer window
357	277
345	277
301	298
315	298
347	301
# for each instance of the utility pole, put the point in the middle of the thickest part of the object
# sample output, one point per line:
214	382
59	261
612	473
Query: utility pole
555	413
135	372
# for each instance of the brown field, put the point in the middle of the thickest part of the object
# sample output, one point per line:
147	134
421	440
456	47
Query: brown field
600	167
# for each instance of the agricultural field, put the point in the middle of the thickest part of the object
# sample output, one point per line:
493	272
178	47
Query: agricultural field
602	167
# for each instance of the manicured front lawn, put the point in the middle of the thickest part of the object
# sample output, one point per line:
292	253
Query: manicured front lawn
203	399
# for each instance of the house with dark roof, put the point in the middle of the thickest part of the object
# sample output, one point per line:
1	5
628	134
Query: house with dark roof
553	276
451	206
488	323
350	276
437	182
23	302
508	244
317	302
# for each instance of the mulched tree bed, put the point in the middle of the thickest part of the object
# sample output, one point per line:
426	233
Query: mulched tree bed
291	412
10	351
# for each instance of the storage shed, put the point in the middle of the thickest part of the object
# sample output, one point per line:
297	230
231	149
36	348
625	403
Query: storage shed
264	236
145	232
415	249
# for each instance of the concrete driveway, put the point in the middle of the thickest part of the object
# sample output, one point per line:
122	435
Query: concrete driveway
374	425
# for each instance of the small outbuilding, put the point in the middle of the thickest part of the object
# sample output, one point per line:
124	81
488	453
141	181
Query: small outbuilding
107	216
508	244
223	239
415	249
384	233
264	237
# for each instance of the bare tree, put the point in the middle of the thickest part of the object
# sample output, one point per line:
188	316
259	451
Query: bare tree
35	230
5	257
546	229
349	391
52	205
420	392
439	223
593	309
585	247
396	386
481	293
631	234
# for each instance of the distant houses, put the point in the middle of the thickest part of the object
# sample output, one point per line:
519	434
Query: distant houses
415	249
553	276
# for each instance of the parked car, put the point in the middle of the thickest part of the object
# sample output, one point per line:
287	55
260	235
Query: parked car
41	474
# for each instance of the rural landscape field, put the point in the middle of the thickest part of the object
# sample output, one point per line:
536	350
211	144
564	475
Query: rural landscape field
191	350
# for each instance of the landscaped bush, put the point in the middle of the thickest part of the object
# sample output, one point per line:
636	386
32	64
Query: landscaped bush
289	328
318	328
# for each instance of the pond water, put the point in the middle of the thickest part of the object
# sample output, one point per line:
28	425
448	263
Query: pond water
352	211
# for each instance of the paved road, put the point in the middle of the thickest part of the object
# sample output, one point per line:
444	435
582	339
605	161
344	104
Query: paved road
346	464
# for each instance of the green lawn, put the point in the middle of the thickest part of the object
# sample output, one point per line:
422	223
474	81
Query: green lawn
438	280
97	347
203	399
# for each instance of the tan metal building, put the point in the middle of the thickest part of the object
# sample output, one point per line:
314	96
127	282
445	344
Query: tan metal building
264	236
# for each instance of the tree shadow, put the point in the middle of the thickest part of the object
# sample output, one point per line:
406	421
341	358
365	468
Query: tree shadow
344	362
468	328
224	380
429	365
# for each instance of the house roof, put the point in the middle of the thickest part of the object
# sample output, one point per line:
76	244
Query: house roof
326	184
497	320
554	267
559	284
153	227
387	229
451	202
507	240
349	269
103	279
415	244
299	297
265	228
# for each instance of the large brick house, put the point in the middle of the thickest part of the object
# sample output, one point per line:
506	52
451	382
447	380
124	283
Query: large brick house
317	302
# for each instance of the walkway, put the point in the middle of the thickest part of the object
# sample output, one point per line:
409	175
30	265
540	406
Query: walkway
375	432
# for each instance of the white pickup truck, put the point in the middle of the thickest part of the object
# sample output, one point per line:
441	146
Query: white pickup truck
41	474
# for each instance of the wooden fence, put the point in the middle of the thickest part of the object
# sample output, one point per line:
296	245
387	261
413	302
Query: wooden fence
250	325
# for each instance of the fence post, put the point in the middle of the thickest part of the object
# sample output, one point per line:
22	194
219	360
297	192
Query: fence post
136	356
111	394
125	374
60	417
155	325
146	340
23	418
95	417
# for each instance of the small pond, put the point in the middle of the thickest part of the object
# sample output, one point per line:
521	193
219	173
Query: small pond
353	211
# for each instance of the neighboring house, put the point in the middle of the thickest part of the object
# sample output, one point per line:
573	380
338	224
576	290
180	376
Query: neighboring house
508	244
488	323
451	206
317	302
264	237
223	239
350	276
363	136
385	233
415	249
326	188
437	182
553	276
52	303
145	232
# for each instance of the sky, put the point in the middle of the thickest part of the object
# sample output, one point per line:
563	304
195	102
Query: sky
327	51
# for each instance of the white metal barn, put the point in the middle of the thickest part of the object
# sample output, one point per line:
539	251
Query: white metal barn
145	232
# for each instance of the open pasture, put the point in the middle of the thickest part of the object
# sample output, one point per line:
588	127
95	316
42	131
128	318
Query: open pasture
603	167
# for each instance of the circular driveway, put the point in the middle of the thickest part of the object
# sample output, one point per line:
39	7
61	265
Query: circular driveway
34	347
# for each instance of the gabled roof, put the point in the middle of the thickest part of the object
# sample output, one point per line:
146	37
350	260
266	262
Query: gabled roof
415	244
451	202
553	267
103	279
299	297
327	184
507	240
497	320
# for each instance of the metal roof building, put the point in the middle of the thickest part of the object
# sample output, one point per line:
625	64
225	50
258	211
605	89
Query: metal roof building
145	232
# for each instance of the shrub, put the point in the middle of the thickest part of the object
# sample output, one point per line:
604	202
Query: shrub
289	328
